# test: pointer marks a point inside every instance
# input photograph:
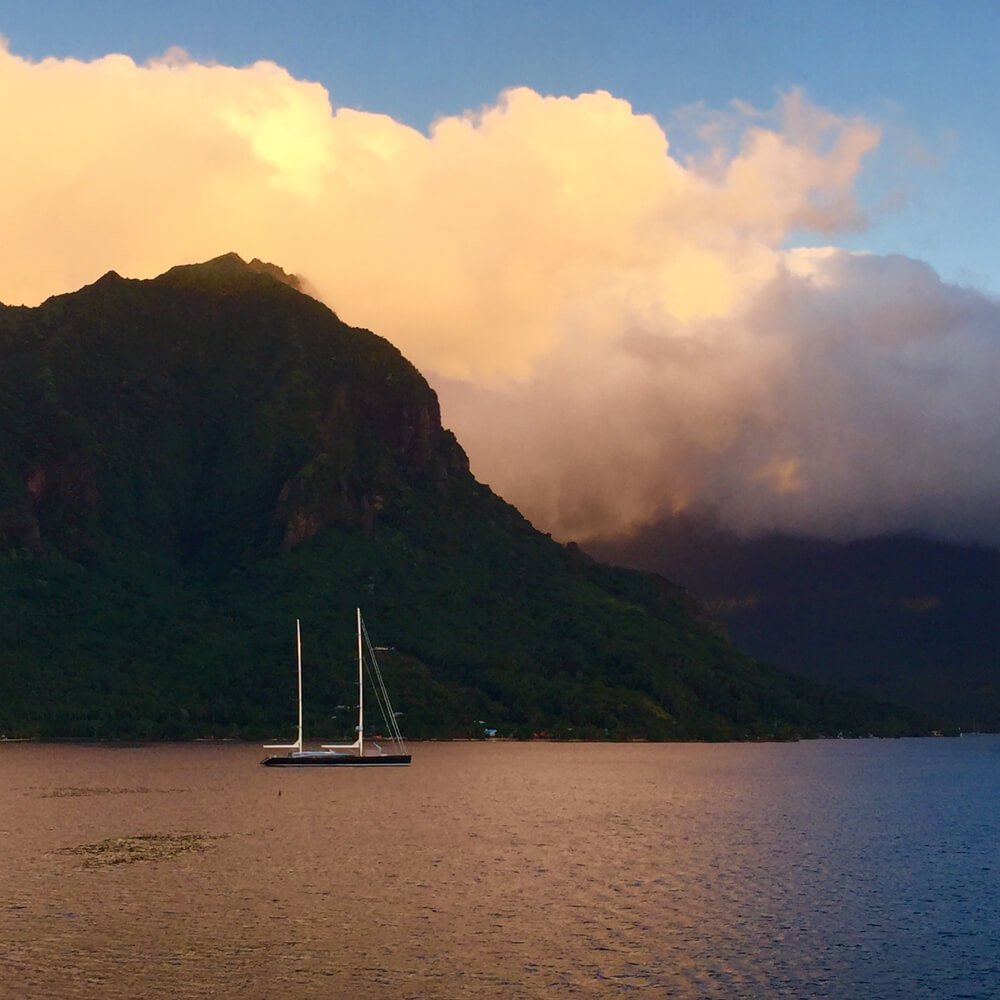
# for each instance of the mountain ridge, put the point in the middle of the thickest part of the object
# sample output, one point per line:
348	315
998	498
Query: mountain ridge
193	461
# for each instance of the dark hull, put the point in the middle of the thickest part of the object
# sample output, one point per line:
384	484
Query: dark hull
338	760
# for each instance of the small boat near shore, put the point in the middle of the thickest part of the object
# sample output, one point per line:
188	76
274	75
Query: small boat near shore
355	754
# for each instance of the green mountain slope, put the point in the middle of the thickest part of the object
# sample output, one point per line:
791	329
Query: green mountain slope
188	464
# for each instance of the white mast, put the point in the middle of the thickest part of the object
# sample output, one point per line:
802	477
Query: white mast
298	656
361	694
297	745
358	743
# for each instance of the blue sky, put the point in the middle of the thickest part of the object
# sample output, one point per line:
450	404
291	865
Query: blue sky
927	72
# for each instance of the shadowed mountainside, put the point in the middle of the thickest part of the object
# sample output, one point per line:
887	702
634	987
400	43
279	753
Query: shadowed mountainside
192	462
906	619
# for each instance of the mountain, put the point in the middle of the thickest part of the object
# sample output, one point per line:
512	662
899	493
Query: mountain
188	464
905	619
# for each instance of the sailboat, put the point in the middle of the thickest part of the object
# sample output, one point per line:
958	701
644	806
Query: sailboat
346	754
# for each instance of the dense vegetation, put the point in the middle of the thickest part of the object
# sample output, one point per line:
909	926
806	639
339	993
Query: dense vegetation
189	464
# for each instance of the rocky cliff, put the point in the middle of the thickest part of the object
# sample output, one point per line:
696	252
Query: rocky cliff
216	406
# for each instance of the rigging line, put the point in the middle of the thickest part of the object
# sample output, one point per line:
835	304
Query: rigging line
381	693
390	716
374	676
387	714
378	695
382	696
391	719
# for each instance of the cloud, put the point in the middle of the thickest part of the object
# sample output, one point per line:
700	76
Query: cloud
616	332
849	396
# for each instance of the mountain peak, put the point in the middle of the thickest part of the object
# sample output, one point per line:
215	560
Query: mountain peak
229	267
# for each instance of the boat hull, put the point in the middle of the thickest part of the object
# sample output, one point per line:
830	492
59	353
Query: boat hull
337	760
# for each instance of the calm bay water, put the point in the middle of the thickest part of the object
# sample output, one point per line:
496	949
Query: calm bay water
836	869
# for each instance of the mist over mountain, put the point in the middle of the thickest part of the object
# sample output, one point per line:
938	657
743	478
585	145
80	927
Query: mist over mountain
190	463
849	396
904	618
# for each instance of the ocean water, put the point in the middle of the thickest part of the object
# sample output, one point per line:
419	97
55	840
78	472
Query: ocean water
840	869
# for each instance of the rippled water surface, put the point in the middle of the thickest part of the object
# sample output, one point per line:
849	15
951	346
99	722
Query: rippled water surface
833	869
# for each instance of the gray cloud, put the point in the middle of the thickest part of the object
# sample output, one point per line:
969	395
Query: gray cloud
851	395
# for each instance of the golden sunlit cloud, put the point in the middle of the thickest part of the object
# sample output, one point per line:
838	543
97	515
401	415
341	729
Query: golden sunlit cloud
615	333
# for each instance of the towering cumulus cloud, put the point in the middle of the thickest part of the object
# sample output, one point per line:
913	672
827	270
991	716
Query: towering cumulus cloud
616	332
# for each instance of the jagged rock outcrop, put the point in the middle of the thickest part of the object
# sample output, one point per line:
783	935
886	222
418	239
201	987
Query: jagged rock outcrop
158	397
